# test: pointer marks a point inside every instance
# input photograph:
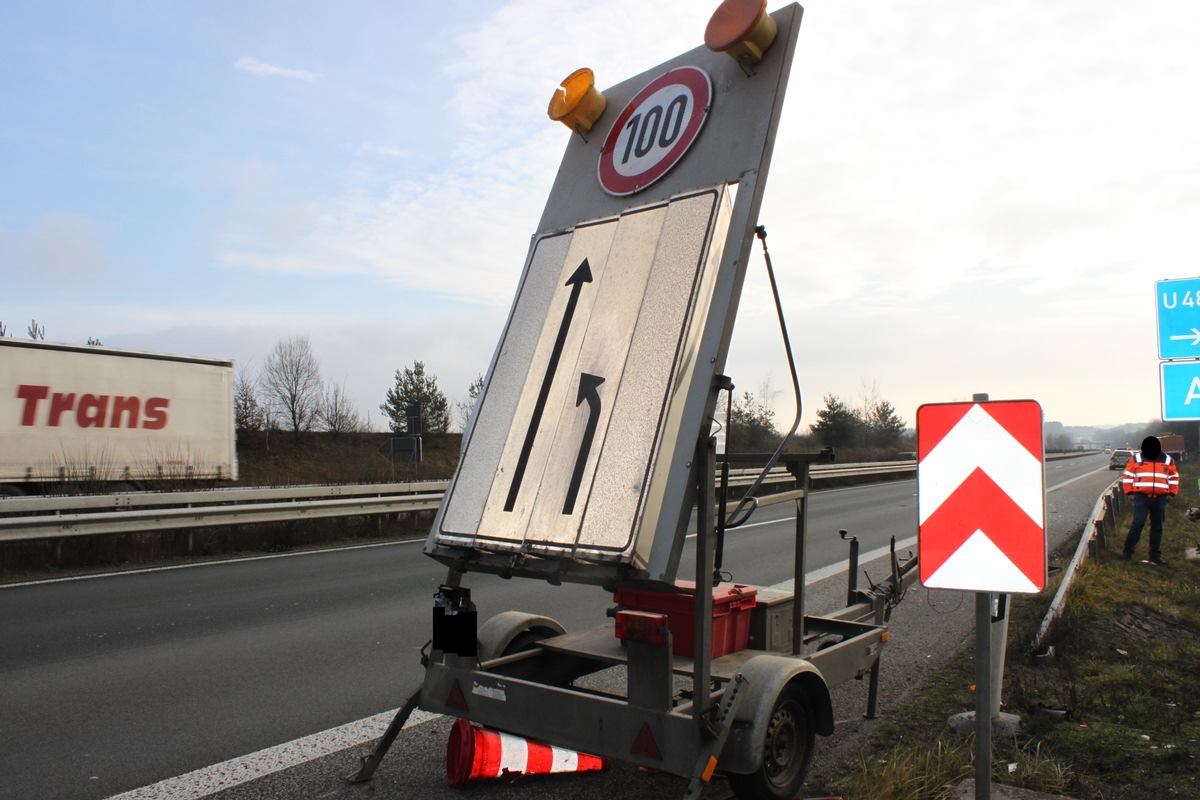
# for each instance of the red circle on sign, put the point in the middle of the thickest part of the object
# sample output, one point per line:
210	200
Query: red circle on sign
654	130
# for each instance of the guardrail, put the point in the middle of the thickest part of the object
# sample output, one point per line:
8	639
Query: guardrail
26	518
1104	515
131	512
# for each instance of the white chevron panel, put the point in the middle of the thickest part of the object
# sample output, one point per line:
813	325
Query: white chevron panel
978	441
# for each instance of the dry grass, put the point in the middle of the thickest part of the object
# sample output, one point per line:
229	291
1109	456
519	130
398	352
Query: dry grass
1124	684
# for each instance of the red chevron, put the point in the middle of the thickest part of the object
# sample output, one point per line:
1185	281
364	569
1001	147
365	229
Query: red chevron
935	421
1016	418
979	504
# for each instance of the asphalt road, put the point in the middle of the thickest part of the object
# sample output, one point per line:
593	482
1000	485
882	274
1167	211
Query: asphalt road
116	682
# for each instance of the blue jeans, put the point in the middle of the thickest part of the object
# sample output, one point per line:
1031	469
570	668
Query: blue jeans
1155	508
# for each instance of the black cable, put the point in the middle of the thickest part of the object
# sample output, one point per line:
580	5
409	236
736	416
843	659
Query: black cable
733	520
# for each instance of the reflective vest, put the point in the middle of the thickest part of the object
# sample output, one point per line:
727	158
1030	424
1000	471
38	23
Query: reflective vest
1153	478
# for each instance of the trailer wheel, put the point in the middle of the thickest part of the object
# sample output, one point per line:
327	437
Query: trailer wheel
513	631
787	750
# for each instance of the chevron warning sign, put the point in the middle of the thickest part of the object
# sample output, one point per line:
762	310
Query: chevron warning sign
981	496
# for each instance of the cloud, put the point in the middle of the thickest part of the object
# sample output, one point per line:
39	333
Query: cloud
59	248
259	69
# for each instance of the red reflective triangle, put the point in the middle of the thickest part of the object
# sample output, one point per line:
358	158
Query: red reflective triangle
644	745
455	698
979	504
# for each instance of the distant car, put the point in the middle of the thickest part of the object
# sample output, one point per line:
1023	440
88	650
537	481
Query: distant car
1119	459
906	456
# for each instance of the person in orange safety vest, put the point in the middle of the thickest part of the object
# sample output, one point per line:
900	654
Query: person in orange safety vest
1150	479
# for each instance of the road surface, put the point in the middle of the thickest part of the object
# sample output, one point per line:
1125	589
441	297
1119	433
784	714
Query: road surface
121	681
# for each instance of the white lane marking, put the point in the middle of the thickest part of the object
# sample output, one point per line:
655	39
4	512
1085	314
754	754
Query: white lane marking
197	565
236	771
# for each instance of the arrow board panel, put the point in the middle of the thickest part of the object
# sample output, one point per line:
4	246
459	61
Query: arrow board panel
562	458
577	463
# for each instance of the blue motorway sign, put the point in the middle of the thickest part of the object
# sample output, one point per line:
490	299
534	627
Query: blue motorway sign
1178	304
1180	390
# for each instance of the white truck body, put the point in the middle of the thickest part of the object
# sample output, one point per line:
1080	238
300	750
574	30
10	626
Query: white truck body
71	413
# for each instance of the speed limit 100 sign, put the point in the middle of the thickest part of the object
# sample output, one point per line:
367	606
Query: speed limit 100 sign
655	130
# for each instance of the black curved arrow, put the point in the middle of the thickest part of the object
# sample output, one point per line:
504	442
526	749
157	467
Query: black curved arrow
578	278
588	385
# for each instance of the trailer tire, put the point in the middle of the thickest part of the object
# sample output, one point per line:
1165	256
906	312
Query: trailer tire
513	631
787	750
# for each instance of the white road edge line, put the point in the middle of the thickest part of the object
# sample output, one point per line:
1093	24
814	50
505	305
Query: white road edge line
197	565
236	771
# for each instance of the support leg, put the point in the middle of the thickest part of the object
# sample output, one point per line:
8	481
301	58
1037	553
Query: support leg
371	763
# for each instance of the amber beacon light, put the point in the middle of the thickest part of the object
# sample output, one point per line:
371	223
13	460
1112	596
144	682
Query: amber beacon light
576	102
742	29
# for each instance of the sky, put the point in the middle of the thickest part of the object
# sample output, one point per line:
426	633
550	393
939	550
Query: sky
964	197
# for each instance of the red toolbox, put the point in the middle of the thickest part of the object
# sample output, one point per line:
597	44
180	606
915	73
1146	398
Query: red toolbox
731	615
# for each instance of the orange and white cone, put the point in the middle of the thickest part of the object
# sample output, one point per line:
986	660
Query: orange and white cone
474	753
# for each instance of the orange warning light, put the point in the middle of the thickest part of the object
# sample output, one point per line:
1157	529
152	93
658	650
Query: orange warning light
741	28
576	102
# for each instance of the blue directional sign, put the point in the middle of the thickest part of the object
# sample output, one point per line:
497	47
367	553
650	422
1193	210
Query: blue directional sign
1180	390
1178	304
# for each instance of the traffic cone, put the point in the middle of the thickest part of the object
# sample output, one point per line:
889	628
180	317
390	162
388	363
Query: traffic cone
474	753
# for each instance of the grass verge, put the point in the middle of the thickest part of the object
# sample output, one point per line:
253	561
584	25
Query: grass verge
1116	712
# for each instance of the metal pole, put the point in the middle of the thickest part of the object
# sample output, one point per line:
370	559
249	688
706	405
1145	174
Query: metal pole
999	633
983	695
852	572
705	464
799	566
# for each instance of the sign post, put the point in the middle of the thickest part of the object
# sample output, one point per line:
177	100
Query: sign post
981	503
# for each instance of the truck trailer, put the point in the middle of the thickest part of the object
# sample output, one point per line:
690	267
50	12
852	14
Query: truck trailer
1173	445
111	419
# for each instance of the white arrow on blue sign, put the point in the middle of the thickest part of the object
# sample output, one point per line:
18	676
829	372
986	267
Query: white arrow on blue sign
1180	390
1178	304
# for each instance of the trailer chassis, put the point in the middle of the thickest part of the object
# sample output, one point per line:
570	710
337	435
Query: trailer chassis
751	713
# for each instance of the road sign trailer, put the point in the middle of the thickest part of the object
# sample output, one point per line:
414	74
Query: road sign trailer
590	446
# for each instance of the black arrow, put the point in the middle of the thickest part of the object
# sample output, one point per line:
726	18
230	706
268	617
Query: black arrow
588	385
578	278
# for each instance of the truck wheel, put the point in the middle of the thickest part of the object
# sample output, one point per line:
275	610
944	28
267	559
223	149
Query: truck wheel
787	750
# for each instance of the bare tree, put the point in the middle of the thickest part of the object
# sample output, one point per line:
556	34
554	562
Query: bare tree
248	412
291	380
466	407
338	412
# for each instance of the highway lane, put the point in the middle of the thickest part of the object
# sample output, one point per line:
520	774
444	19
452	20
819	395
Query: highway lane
119	681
